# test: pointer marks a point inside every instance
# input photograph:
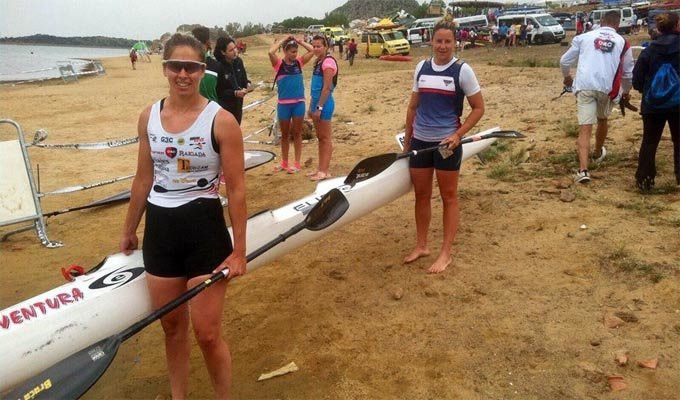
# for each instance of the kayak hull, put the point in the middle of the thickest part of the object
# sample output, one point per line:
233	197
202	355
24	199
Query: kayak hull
45	329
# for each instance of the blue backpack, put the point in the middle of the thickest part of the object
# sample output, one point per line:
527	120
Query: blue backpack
664	89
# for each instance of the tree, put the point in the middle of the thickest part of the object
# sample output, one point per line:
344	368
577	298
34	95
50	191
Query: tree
336	19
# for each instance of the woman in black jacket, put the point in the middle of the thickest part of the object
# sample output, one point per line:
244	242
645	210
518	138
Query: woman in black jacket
664	50
236	85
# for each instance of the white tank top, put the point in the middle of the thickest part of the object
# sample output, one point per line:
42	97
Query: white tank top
185	165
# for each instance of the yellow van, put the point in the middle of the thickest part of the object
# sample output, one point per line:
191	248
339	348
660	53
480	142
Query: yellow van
384	42
335	32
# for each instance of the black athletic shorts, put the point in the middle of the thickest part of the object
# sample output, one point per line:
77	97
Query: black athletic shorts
433	159
185	241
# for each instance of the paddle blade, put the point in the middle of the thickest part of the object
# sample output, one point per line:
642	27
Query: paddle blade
370	167
329	209
71	377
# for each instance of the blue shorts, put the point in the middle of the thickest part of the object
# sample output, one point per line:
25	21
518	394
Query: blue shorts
434	159
328	108
288	111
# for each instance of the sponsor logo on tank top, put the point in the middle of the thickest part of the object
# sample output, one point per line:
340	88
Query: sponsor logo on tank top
197	142
166	139
190	153
171	152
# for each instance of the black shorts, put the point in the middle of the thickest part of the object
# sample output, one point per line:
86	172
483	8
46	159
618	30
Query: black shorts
185	241
433	159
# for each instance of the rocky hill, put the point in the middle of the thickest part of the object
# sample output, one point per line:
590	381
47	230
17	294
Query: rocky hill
355	9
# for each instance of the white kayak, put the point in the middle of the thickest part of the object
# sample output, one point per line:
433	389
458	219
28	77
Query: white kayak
45	329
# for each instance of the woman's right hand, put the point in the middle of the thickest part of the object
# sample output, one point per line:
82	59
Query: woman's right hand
128	243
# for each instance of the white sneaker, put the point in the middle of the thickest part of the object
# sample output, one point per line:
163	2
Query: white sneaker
582	176
603	154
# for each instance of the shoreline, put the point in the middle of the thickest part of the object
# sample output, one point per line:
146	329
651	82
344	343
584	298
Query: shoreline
58	45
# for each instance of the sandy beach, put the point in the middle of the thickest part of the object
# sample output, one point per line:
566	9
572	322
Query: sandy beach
522	311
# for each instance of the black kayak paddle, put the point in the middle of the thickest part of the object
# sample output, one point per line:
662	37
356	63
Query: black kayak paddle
372	166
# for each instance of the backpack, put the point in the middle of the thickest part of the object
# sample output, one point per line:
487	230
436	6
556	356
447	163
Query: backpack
664	88
337	71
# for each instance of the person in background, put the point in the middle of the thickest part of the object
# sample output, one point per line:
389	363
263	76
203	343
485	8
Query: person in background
236	84
185	236
214	72
657	112
434	117
133	58
340	47
322	104
351	51
503	34
290	85
603	76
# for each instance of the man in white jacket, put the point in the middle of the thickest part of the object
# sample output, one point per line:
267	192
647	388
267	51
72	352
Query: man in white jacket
603	76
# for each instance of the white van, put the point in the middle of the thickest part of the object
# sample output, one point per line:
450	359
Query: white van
415	31
546	28
626	17
476	21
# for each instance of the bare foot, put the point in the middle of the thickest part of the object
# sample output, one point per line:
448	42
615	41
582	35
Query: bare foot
440	264
416	254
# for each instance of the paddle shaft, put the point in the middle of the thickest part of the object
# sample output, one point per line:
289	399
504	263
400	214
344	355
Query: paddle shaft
216	277
68	210
468	139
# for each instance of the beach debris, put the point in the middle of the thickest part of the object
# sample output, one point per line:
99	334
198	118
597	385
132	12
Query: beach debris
562	184
621	357
398	293
591	371
650	363
595	342
291	367
337	275
612	322
583	227
626	316
567	196
616	383
308	162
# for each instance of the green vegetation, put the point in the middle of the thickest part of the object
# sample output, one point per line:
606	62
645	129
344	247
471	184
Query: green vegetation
569	127
531	62
622	261
355	9
89	41
643	206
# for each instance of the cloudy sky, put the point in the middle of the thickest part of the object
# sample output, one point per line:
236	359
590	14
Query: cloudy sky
144	19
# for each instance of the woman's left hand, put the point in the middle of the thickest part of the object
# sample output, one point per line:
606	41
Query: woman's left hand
451	142
316	116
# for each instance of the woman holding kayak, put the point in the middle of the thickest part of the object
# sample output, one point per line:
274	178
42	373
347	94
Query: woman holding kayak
185	140
434	117
321	105
290	84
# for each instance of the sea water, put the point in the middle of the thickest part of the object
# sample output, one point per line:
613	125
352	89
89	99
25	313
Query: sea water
17	60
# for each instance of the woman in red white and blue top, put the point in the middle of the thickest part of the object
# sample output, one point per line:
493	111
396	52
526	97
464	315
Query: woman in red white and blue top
434	117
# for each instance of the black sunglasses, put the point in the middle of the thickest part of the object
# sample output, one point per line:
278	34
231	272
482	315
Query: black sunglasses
189	66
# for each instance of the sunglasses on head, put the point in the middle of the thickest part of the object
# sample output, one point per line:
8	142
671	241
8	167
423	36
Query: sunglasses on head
189	66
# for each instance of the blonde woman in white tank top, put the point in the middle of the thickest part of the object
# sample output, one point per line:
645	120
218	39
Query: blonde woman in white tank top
184	141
